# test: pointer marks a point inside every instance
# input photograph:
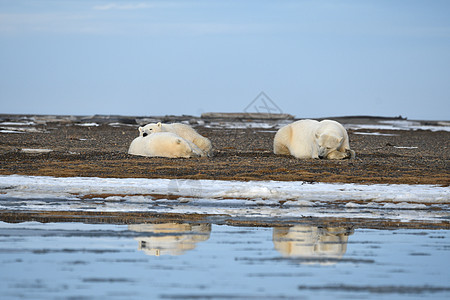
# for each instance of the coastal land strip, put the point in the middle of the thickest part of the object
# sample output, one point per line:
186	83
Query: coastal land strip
96	146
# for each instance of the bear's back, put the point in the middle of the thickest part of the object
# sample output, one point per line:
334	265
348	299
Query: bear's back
180	129
304	130
164	144
191	135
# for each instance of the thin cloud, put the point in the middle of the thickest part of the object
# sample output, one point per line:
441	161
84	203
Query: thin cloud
64	23
114	6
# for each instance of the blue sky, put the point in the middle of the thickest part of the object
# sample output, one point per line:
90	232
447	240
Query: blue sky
312	58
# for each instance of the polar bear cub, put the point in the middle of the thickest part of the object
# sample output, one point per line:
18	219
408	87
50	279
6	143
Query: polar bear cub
185	131
163	144
313	139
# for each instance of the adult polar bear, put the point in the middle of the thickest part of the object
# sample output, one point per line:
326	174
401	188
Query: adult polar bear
182	130
313	139
163	144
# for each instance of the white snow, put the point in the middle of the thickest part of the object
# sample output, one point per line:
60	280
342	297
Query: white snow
17	123
117	124
38	186
382	125
399	125
10	131
29	150
253	199
406	147
244	125
88	124
375	133
20	129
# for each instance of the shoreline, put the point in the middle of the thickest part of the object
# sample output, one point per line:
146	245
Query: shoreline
126	218
48	199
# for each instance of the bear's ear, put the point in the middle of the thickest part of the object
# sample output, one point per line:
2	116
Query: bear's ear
141	129
317	135
159	124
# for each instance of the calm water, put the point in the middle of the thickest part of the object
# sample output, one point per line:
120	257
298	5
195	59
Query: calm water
208	261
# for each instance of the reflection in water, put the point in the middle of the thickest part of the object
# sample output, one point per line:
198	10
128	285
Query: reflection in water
323	245
170	238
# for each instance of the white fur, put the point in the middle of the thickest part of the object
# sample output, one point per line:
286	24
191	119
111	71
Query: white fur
185	131
163	144
302	241
313	139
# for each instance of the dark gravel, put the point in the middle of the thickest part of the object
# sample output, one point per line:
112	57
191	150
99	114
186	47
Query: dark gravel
239	154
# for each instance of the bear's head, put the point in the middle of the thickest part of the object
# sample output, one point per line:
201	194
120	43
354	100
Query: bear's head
150	128
328	144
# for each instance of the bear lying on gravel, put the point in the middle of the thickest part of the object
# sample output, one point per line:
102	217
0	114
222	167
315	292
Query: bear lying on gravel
313	139
182	130
163	144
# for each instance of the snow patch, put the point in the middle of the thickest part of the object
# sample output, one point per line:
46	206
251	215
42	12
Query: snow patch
28	150
269	200
399	125
88	124
374	133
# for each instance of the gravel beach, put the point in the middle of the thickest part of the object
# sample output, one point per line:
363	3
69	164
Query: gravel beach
97	147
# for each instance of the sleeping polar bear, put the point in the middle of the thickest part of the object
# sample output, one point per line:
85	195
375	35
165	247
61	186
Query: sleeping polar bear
313	139
163	144
185	131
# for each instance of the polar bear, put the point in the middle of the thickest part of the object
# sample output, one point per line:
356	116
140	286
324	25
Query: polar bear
163	144
170	238
185	131
324	245
313	139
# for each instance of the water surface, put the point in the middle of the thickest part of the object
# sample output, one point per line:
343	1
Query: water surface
209	261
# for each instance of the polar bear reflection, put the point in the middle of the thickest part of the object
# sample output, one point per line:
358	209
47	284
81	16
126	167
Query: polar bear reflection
323	245
170	238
